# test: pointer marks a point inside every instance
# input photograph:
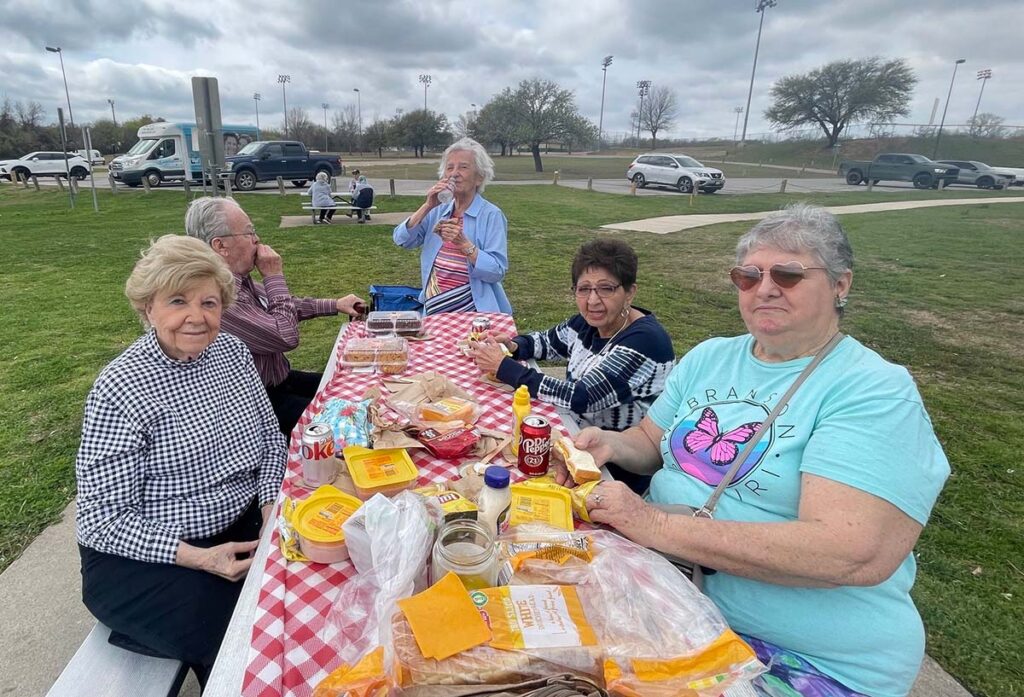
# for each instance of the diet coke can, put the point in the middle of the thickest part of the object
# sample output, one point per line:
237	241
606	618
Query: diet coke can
316	455
534	446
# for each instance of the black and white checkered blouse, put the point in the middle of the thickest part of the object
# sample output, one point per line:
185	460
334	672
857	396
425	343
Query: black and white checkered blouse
611	387
174	450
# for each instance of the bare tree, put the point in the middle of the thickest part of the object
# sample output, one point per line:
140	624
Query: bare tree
300	128
986	125
659	113
346	128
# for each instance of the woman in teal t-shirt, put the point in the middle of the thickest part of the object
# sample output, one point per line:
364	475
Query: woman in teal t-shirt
812	539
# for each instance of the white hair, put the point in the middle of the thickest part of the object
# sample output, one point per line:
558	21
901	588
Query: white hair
321	177
481	160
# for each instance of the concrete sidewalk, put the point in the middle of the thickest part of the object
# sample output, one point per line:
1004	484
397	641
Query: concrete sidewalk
44	620
676	223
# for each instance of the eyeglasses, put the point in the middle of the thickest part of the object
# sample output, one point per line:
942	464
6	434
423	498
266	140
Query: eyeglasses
583	292
783	275
251	232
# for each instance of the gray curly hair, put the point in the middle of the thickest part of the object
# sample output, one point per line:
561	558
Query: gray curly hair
481	160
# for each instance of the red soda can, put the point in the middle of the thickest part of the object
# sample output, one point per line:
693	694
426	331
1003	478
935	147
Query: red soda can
534	446
316	455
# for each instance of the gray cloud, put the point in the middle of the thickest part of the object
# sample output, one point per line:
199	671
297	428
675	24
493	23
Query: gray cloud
142	53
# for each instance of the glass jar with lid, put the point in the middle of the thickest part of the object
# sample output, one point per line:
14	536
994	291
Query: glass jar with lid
467	548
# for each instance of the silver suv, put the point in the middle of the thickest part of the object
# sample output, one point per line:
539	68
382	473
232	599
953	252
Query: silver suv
678	171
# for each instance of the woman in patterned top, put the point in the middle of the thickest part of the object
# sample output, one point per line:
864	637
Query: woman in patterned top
617	355
465	242
180	463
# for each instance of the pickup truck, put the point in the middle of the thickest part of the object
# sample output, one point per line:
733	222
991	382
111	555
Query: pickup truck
266	160
924	173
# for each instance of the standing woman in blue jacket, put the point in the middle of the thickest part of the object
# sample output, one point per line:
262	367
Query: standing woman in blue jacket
464	241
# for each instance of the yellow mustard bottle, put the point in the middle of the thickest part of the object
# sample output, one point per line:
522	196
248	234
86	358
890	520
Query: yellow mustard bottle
520	410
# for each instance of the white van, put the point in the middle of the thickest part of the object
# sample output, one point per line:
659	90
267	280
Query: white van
93	156
166	151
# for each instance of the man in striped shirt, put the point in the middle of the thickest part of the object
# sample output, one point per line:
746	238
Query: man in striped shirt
266	316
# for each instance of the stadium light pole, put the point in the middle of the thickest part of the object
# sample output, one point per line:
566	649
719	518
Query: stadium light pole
60	54
762	5
983	75
359	115
113	116
425	79
604	77
284	79
736	126
325	106
256	97
643	89
942	121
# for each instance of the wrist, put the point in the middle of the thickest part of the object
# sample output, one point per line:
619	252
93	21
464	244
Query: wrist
468	250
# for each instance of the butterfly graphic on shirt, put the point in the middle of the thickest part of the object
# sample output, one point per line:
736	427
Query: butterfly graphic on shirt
721	447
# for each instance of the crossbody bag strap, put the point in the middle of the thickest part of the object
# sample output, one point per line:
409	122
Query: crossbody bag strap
708	508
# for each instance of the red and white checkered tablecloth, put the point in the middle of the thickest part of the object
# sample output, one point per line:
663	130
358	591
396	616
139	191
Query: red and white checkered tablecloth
288	656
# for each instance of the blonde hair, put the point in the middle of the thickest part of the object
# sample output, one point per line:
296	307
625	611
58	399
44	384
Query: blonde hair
173	264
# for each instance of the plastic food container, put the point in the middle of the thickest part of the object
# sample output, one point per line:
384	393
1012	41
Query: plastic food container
385	354
401	322
385	472
534	504
318	521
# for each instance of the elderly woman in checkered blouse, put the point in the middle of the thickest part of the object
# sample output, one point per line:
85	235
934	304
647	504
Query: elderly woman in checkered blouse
180	462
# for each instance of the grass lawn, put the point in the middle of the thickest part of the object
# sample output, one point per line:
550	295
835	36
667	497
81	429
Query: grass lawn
520	167
938	290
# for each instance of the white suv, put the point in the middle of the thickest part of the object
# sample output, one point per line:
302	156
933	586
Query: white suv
678	171
45	164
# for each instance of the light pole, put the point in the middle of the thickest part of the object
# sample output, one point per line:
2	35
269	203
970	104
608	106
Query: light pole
60	54
284	79
984	76
113	116
942	122
604	76
425	79
359	115
643	89
762	5
256	97
735	127
324	106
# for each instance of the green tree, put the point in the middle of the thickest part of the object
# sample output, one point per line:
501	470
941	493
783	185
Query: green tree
378	135
422	129
498	122
544	112
841	93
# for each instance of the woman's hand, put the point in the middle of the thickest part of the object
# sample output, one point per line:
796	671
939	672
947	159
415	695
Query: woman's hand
221	560
432	200
615	504
451	231
487	354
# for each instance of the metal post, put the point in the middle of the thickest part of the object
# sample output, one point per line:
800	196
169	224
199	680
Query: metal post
113	116
256	98
391	182
64	149
604	77
762	5
425	79
736	126
644	88
359	112
87	142
942	122
324	106
60	54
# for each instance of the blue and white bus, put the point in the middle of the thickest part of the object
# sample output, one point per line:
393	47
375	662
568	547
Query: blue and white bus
164	149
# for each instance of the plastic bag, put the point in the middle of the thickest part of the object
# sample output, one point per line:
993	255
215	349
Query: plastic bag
656	634
389	541
349	421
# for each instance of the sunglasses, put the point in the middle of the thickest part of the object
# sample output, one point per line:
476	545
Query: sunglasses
783	275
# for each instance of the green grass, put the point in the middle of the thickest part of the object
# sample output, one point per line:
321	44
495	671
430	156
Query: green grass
937	290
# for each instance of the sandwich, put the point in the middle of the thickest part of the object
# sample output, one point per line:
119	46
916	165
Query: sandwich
581	464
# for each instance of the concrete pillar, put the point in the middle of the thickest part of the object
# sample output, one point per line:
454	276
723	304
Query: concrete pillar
280	185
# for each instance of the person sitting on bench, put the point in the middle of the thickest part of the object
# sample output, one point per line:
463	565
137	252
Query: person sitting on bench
320	197
179	465
362	199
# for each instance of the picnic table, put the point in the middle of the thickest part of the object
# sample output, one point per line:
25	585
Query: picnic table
274	646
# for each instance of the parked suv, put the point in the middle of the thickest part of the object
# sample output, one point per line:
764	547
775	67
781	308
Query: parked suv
45	164
979	174
678	171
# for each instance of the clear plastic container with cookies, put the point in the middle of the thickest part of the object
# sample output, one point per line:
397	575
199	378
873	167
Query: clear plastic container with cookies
400	323
383	354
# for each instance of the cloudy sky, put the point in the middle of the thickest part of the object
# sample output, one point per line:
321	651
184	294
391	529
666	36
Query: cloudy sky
142	53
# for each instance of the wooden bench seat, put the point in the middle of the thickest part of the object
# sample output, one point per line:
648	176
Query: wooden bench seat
99	669
344	207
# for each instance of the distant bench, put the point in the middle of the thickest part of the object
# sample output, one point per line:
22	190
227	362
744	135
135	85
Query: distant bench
99	669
